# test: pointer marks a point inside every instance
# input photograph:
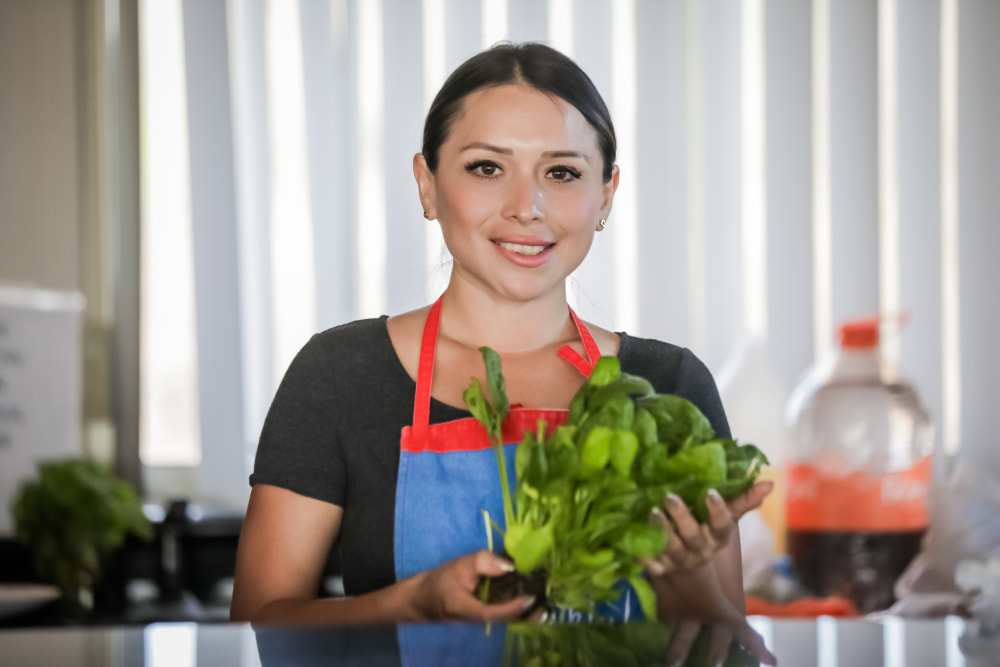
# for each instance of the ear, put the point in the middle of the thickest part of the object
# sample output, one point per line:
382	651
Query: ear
425	186
609	193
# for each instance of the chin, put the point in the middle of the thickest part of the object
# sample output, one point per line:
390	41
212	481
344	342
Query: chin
530	291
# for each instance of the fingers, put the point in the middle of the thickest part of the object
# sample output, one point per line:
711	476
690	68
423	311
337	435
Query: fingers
720	519
754	644
689	543
718	644
489	564
506	610
750	500
681	640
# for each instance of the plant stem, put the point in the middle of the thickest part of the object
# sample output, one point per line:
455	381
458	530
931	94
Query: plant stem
508	505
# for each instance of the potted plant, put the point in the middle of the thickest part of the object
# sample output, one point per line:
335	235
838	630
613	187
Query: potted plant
71	518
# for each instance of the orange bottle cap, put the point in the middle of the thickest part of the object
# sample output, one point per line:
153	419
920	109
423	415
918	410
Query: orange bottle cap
860	334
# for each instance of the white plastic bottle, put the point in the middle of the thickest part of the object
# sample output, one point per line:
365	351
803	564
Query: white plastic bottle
857	473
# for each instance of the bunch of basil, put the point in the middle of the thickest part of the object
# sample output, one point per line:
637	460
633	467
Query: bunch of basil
584	492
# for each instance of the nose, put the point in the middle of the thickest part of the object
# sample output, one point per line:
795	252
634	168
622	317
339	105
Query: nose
525	200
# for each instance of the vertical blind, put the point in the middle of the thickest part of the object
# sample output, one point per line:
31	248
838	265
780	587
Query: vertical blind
785	165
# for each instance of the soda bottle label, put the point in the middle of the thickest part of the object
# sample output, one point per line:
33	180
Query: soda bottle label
860	501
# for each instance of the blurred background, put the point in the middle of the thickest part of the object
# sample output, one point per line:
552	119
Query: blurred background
220	179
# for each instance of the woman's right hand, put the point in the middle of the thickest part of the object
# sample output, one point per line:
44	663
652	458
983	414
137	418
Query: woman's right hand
447	592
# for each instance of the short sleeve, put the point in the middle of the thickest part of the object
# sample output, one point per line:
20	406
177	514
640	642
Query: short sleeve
675	370
300	445
695	383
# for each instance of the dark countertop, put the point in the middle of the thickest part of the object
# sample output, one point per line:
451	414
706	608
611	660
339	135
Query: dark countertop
825	642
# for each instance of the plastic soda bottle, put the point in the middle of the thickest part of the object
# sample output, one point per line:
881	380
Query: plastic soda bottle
857	473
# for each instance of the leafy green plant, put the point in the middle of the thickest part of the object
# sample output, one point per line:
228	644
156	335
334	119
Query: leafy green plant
585	491
71	517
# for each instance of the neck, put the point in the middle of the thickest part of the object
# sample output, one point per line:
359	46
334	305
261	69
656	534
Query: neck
473	319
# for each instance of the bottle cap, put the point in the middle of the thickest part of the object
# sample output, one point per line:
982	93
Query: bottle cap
859	334
863	334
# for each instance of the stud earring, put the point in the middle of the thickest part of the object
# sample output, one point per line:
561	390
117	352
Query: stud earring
426	217
600	224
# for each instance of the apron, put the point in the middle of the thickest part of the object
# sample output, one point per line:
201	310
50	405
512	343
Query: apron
448	473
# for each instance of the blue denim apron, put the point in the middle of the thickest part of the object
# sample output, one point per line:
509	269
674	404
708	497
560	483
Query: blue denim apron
448	472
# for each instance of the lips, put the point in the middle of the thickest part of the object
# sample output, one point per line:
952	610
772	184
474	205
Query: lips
523	249
527	255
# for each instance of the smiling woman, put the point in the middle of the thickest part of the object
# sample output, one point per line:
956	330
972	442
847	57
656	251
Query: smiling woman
367	441
518	184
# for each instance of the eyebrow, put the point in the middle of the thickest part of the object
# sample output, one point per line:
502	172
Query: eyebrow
507	151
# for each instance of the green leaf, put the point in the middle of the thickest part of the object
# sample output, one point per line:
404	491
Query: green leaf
705	462
537	472
495	382
528	545
677	419
646	595
626	385
593	560
644	426
477	404
606	370
596	451
641	539
624	446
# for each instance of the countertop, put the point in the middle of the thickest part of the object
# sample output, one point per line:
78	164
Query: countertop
823	642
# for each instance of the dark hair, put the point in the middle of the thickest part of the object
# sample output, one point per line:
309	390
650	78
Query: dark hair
533	64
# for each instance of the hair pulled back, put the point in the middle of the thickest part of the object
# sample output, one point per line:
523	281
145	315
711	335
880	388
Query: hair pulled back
536	65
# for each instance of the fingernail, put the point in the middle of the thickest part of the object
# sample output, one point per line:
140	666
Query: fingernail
528	603
505	565
675	662
674	501
715	496
655	568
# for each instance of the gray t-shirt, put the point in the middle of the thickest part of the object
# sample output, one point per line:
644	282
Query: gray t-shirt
332	432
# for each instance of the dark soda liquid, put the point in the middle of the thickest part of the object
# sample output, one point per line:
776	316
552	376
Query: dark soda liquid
862	567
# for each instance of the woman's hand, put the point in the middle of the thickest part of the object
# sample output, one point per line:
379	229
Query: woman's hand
446	592
691	544
683	634
693	598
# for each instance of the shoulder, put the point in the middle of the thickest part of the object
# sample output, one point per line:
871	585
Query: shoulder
346	342
341	351
659	362
674	370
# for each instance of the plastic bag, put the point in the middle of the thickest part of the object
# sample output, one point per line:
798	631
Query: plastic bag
964	528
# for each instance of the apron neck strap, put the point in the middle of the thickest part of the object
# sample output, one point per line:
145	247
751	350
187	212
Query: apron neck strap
585	366
425	370
428	344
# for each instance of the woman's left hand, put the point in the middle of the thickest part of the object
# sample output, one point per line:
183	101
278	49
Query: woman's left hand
691	544
692	599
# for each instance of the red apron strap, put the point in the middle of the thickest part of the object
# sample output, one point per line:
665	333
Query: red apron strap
425	371
585	366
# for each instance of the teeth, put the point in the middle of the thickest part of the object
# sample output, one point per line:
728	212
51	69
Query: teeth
523	249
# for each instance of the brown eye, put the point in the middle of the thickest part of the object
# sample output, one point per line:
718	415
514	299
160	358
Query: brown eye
483	168
564	173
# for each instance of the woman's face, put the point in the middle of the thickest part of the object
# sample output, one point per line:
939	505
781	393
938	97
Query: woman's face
518	191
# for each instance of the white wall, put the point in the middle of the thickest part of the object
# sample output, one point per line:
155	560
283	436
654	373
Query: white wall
39	144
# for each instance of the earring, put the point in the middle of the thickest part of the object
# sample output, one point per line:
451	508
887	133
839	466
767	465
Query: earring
600	224
426	217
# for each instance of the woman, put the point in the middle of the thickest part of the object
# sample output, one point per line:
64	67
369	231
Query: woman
517	166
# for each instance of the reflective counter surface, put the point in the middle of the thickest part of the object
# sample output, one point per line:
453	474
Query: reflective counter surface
824	642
